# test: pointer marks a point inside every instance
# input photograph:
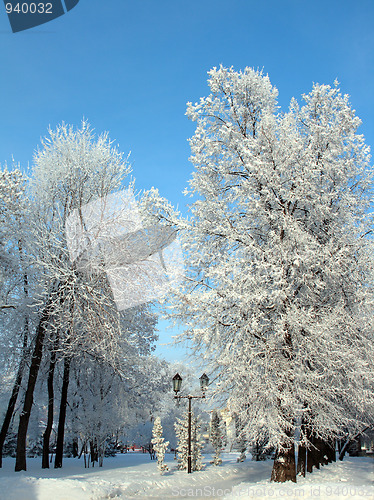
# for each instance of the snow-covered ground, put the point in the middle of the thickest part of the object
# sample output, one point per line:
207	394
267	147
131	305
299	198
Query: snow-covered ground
133	475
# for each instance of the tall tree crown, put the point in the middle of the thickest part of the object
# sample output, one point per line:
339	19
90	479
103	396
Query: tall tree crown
73	167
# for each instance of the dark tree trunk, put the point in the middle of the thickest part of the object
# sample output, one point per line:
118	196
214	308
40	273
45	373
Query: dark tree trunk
62	416
332	451
358	440
313	454
301	461
75	448
301	455
328	452
86	461
322	451
93	452
29	395
33	375
17	383
284	468
48	430
11	406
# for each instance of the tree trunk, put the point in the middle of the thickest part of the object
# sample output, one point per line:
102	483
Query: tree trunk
11	406
29	395
93	452
33	375
101	458
301	461
84	456
348	441
301	455
48	430
284	468
327	452
340	444
62	416
75	448
17	383
344	449
313	454
331	450
322	451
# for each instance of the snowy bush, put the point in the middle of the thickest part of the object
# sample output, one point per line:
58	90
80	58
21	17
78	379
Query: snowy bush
216	437
159	445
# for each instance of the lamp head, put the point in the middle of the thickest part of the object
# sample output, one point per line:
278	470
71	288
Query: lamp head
177	383
204	381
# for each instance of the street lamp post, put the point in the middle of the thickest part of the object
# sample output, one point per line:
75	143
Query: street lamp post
177	383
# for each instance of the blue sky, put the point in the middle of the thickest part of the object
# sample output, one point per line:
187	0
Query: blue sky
129	67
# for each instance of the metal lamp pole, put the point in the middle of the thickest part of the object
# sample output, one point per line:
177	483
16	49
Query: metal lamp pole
177	383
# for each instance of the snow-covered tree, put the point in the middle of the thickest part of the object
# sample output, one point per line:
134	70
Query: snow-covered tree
181	430
216	437
241	442
15	288
159	444
75	311
12	230
105	403
78	205
279	288
97	403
